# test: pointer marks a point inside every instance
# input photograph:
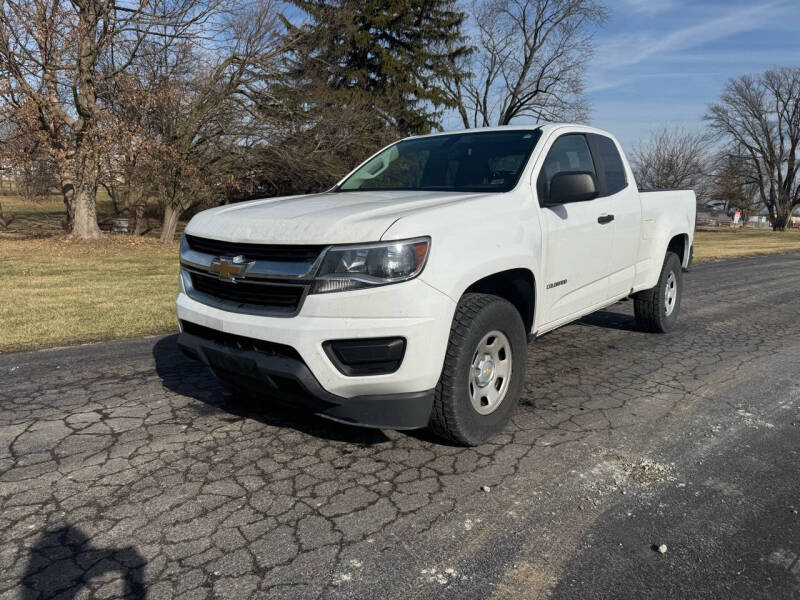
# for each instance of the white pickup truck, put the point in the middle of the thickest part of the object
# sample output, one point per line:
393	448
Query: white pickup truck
406	296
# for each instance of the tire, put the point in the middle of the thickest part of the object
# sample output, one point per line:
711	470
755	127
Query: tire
496	391
654	311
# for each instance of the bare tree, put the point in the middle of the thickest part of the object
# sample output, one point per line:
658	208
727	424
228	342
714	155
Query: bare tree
203	115
53	59
129	171
734	185
528	60
759	116
34	173
674	158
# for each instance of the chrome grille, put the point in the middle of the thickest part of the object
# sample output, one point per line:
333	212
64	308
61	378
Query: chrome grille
281	297
275	283
265	252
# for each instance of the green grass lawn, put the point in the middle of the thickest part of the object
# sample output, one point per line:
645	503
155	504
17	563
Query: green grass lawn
56	292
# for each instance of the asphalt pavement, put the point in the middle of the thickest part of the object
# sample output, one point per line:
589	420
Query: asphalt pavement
126	470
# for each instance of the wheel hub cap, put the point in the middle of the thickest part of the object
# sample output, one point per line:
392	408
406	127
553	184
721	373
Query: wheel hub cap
484	370
490	372
670	293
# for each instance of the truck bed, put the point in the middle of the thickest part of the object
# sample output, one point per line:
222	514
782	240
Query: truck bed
665	213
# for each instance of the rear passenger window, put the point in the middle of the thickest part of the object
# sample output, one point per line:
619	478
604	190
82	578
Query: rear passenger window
609	164
569	153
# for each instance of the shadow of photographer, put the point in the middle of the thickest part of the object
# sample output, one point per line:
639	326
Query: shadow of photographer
63	561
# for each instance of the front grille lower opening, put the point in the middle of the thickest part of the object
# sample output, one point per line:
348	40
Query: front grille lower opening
239	342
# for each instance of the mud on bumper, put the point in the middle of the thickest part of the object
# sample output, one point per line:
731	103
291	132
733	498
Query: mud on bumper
277	372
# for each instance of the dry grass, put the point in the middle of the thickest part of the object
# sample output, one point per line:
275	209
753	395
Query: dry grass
16	205
718	244
56	292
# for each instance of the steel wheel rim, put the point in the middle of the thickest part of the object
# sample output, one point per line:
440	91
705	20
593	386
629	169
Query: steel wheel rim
490	372
670	293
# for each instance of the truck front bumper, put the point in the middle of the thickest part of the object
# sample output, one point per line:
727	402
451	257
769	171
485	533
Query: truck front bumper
289	381
306	376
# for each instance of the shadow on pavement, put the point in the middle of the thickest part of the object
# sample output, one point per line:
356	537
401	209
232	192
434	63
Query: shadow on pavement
187	377
610	320
62	562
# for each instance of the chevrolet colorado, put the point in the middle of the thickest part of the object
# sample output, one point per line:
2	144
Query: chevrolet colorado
405	296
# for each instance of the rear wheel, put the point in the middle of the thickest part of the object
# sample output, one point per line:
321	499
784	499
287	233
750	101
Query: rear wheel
483	373
657	309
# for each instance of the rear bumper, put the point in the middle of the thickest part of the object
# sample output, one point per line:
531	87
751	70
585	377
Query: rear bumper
289	380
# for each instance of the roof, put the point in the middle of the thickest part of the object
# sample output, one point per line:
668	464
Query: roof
545	128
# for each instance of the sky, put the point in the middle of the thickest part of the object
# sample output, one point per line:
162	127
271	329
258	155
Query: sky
661	62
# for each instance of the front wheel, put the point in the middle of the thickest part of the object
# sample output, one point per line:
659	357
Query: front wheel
483	373
657	309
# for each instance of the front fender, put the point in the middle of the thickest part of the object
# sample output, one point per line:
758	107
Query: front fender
476	238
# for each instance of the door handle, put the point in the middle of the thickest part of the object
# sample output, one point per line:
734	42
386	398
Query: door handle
603	219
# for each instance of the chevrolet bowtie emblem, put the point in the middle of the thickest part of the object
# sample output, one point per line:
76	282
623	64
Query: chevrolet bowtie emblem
230	269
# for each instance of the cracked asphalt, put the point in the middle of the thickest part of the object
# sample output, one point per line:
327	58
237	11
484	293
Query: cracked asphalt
126	470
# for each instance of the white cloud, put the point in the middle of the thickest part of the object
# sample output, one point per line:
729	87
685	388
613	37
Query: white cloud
626	50
632	49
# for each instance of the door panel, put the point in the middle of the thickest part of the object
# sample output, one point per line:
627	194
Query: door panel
624	204
577	257
578	236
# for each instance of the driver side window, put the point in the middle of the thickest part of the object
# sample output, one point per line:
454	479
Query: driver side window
569	153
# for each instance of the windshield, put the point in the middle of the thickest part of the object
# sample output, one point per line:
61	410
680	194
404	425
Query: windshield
464	162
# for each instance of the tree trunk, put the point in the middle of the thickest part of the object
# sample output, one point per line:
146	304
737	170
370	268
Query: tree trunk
139	224
84	213
117	197
4	221
67	193
782	220
170	223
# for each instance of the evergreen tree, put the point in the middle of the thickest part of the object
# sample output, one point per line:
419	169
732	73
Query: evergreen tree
387	54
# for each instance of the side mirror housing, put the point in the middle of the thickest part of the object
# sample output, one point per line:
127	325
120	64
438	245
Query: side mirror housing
571	186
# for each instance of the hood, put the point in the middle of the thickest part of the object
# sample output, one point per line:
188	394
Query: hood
329	218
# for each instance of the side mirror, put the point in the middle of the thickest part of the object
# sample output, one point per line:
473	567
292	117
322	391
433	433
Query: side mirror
571	186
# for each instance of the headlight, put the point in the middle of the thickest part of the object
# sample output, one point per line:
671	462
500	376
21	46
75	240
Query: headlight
367	265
